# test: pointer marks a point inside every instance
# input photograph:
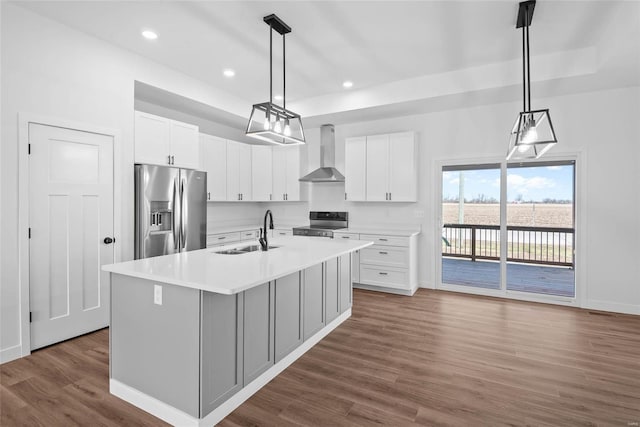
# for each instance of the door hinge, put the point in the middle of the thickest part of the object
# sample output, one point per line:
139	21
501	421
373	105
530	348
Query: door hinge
28	148
29	232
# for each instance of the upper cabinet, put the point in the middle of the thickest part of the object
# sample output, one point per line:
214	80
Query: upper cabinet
163	141
261	172
213	160
238	171
381	168
355	165
286	172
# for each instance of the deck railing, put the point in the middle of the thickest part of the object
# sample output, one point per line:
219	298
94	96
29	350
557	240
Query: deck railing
534	245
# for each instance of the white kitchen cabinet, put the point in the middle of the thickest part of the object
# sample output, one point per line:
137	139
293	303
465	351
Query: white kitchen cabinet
185	145
403	173
381	168
377	168
213	160
238	171
162	141
152	139
261	173
286	172
355	184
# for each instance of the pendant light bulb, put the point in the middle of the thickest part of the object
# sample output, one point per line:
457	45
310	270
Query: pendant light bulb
267	120
530	134
277	128
287	128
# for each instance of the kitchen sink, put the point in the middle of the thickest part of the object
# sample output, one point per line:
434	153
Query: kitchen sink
242	250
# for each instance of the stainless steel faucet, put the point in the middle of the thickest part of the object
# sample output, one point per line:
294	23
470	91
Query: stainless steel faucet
264	244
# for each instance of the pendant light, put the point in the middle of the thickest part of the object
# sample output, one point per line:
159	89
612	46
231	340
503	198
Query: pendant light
268	121
532	134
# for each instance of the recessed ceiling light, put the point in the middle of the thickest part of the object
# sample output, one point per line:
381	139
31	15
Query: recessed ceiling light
278	97
229	72
149	35
347	84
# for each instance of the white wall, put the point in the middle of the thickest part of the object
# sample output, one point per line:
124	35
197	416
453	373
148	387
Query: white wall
49	69
600	126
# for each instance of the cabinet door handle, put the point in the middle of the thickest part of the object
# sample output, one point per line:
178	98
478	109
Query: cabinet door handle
382	273
173	160
209	196
169	160
222	238
382	240
389	196
345	196
346	237
383	253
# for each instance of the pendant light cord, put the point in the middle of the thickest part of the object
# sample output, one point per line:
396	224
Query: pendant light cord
271	63
528	58
284	77
524	72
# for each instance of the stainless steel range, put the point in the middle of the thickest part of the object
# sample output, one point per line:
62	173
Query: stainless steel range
322	224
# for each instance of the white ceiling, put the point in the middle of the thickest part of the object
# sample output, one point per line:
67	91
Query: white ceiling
381	46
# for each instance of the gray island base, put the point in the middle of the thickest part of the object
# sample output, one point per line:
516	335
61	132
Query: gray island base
190	356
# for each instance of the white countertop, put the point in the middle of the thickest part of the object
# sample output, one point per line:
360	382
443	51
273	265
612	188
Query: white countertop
238	228
229	274
379	230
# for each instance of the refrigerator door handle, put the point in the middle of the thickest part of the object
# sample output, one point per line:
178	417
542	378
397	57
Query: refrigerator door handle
183	215
176	236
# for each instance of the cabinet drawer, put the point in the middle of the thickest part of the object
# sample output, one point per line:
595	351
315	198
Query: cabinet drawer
282	232
379	239
385	256
223	238
249	235
392	278
351	236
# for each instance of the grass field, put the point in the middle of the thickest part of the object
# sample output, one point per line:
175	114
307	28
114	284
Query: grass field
525	214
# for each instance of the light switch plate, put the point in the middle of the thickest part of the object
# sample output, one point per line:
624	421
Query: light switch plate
157	294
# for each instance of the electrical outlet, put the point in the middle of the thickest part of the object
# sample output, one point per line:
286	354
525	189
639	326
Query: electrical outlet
157	294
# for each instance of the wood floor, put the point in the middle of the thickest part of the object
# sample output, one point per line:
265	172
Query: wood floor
437	358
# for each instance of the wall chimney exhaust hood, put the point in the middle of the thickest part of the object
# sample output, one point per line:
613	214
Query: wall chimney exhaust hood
327	171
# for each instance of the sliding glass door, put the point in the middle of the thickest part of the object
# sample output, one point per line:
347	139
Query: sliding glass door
471	226
527	207
540	228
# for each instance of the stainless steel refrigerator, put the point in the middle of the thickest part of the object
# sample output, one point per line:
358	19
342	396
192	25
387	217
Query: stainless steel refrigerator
170	210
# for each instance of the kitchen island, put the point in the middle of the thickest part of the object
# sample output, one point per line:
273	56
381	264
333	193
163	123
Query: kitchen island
195	334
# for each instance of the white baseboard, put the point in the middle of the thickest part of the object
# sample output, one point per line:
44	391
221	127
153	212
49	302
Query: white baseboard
615	307
179	418
406	292
11	353
426	285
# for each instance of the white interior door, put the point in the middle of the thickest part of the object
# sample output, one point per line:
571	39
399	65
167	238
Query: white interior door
71	213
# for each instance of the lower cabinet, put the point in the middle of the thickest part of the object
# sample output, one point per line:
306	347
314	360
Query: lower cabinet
346	288
221	349
313	297
332	289
258	331
288	322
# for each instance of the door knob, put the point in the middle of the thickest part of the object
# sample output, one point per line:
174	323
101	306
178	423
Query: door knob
108	240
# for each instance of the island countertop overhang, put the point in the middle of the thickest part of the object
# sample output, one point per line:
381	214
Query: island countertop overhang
206	270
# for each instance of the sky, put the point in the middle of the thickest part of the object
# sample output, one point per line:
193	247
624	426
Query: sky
532	183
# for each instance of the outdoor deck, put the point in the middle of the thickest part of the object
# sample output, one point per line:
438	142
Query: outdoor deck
520	277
